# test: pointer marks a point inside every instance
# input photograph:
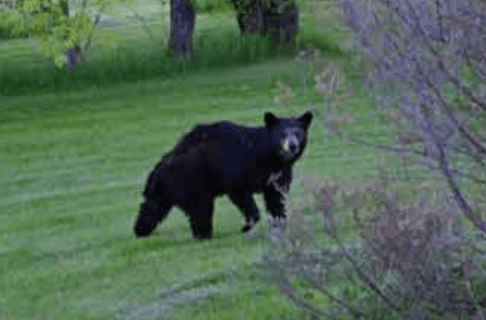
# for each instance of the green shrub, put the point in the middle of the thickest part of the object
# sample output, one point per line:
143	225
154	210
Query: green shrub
12	25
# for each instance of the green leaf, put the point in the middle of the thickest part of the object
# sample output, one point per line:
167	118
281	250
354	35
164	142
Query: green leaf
55	32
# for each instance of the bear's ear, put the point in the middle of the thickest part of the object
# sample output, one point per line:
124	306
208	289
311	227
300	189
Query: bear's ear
306	119
270	120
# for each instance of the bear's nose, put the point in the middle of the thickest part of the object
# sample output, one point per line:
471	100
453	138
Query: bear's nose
293	147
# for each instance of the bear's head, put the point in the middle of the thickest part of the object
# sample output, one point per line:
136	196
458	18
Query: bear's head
288	136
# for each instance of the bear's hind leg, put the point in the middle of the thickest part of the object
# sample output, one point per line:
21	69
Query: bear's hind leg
245	202
152	212
201	218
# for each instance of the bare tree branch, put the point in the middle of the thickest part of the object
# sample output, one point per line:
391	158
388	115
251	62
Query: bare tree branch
468	211
356	313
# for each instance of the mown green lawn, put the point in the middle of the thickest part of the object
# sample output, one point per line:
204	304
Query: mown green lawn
73	168
74	164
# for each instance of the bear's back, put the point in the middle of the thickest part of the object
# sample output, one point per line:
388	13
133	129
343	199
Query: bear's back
224	150
222	132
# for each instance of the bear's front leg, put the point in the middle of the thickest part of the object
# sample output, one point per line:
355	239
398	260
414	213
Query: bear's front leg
275	192
274	201
276	188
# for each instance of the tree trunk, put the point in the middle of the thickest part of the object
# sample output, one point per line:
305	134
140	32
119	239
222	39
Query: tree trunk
72	58
278	19
281	21
250	16
182	21
73	54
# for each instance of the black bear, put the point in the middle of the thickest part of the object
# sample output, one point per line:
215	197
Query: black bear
224	158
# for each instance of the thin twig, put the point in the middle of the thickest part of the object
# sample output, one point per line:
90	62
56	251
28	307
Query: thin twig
356	313
468	211
465	90
367	280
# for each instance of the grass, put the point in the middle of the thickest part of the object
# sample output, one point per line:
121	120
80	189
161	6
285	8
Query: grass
116	55
74	162
74	165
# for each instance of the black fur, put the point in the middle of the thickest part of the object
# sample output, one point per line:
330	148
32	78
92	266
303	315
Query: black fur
224	158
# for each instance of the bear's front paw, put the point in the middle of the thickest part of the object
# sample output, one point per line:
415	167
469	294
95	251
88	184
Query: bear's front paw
278	222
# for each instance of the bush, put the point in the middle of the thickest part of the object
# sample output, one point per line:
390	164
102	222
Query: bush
426	63
417	258
410	261
11	24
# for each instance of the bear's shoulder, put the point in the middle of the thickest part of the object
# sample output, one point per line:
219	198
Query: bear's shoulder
225	132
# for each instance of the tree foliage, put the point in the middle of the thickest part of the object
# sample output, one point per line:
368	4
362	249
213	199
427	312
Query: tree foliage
57	27
11	21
